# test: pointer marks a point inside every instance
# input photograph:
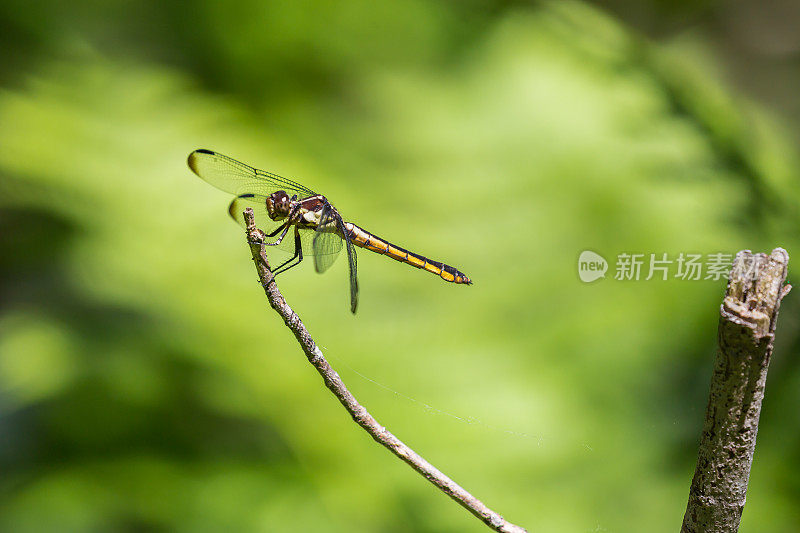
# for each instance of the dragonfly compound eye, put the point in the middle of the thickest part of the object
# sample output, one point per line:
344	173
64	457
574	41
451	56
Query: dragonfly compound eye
278	205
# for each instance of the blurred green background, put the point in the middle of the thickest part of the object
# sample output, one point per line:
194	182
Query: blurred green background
145	385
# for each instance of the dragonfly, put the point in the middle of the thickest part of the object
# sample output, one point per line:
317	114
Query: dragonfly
281	205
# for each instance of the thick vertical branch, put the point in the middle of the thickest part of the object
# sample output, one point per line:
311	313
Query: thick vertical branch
745	337
360	415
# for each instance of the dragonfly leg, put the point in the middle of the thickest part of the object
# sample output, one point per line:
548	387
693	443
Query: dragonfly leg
284	228
298	255
279	229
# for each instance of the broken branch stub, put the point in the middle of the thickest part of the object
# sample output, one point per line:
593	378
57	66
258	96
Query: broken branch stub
745	341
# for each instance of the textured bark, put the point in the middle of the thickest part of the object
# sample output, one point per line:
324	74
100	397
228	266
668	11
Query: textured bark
359	413
745	338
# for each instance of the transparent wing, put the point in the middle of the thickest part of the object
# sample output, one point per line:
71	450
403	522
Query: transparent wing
232	176
351	258
267	225
327	242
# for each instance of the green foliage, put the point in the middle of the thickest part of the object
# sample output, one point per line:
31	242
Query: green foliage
146	385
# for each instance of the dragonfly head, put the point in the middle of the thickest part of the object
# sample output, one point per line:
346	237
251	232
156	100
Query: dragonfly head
278	205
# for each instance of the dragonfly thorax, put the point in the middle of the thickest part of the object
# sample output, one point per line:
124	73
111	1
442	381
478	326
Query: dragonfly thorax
278	205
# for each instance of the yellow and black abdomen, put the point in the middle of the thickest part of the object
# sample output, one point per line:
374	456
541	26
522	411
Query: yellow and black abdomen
364	239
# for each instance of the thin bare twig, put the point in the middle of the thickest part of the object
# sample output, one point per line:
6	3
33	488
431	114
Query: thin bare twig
746	333
332	380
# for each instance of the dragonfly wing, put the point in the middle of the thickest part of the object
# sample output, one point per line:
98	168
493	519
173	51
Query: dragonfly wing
258	204
327	243
232	176
351	259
